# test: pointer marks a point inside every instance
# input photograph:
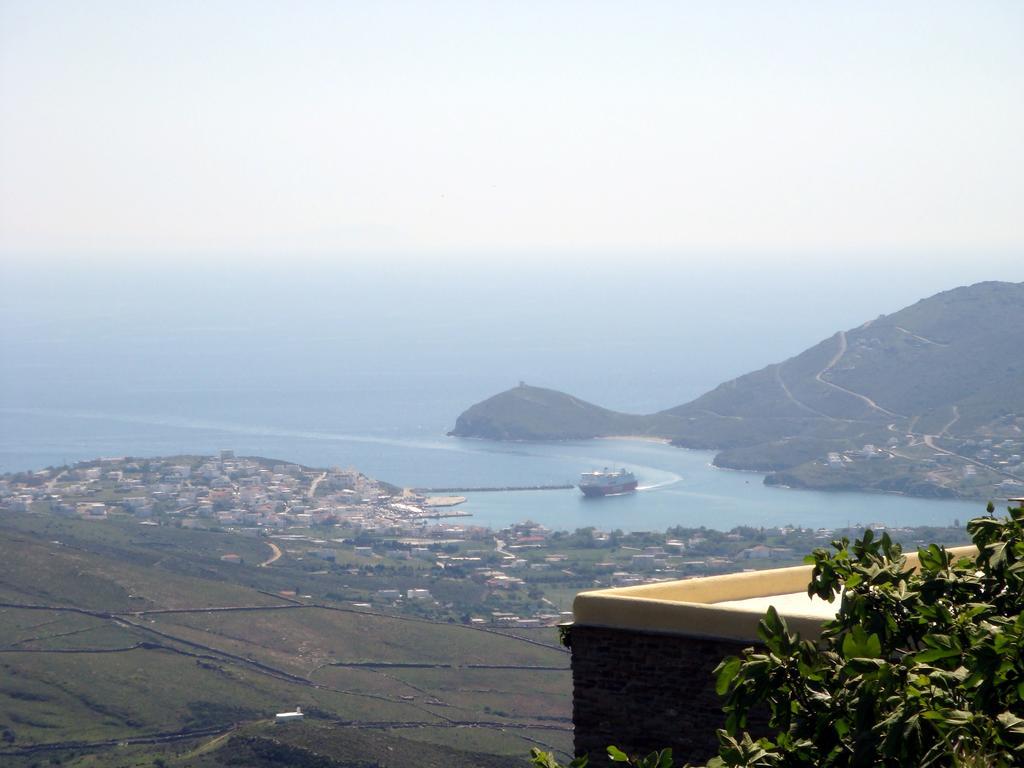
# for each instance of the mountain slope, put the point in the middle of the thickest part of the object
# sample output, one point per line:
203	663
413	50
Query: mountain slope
950	367
960	348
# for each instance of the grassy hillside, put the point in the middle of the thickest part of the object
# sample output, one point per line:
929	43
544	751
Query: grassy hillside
959	348
534	413
112	632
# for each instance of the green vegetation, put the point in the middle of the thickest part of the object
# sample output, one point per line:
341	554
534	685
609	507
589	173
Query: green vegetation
919	669
319	744
933	389
534	413
660	759
112	632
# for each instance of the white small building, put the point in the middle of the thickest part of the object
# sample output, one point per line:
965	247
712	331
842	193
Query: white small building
287	717
643	562
91	510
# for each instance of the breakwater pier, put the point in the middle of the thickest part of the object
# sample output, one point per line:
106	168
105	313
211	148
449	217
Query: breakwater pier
496	488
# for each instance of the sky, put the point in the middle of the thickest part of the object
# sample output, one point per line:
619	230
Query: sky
496	131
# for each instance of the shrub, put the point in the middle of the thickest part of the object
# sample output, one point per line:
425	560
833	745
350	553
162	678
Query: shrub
662	759
918	668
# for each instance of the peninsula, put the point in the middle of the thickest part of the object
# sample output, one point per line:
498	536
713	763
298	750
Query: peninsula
927	401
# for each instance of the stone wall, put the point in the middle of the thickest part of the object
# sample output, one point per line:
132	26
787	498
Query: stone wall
643	691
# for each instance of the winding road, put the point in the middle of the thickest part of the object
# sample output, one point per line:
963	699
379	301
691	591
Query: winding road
789	395
53	482
311	493
820	376
929	440
275	554
954	420
913	335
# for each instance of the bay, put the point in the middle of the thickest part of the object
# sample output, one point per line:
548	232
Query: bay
677	486
680	487
364	367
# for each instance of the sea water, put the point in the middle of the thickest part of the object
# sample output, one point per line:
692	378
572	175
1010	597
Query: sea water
369	369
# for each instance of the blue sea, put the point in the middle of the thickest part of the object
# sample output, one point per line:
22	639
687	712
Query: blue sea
369	367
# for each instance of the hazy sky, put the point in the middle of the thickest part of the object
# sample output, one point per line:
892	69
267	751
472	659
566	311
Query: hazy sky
486	127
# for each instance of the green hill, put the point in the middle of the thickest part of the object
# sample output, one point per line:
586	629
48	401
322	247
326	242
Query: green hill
123	644
958	348
945	371
533	413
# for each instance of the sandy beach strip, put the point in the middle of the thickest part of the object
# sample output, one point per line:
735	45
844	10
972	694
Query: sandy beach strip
643	438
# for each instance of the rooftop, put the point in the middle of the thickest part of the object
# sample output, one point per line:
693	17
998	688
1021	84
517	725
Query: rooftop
793	604
726	607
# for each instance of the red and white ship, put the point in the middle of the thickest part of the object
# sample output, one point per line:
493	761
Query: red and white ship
607	482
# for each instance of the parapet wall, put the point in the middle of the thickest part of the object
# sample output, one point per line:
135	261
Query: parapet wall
643	691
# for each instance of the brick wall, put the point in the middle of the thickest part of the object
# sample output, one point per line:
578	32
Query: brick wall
643	691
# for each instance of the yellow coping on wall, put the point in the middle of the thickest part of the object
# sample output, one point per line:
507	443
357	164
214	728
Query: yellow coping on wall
688	607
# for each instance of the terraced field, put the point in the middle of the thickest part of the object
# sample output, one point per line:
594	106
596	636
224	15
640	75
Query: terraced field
113	634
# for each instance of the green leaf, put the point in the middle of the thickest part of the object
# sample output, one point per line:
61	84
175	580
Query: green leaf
859	644
545	759
934	654
997	558
1011	722
932	558
726	674
616	755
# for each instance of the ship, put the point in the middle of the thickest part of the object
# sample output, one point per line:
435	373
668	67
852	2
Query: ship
607	482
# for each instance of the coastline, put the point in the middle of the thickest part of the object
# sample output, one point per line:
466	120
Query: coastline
638	438
825	488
